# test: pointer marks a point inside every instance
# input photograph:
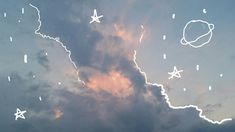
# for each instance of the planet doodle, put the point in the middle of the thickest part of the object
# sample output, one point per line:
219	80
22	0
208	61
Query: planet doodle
200	40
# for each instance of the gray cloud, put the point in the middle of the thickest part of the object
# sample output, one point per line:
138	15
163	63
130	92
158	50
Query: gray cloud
139	115
43	60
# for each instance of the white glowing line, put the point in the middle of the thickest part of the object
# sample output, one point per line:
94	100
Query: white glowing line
19	114
142	26
210	88
175	73
183	41
164	37
95	17
197	67
164	56
22	10
204	11
5	14
11	39
40	98
163	92
56	39
25	58
221	75
173	16
9	78
142	34
141	37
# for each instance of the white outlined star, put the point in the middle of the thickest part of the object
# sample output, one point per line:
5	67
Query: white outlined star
19	114
175	73
95	17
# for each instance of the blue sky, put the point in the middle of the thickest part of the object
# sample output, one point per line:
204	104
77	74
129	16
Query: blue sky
214	58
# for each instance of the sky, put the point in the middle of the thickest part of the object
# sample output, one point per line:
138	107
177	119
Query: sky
97	86
214	59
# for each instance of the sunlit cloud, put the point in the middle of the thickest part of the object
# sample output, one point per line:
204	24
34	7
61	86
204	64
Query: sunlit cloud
113	82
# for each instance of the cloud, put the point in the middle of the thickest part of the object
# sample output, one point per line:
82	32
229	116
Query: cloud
43	60
113	82
58	113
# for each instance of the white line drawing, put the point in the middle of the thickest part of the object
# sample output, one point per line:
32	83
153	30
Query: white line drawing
204	11
55	39
9	78
164	56
184	41
25	58
5	14
163	92
40	98
164	37
175	73
221	75
197	67
19	114
142	34
95	17
173	16
210	88
22	10
142	26
11	39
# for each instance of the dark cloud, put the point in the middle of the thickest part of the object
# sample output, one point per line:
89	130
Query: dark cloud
43	60
88	114
78	36
21	93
